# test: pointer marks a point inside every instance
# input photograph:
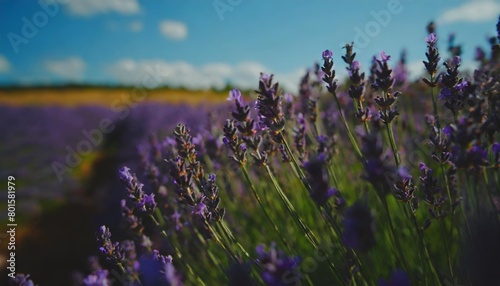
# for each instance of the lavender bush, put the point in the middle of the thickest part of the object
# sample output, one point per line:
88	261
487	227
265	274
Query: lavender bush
378	181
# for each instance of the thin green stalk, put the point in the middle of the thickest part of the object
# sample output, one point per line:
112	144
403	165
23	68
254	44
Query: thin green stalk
446	248
297	168
257	198
298	220
307	231
452	227
358	104
178	253
346	126
126	274
486	189
222	244
393	144
393	233
365	271
300	174
421	244
233	240
434	106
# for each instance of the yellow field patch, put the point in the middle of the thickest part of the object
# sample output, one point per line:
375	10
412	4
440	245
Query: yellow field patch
103	96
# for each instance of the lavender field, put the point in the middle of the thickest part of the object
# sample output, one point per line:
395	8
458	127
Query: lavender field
378	179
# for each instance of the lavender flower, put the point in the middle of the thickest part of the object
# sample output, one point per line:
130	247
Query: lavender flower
431	39
400	72
495	148
479	55
357	80
398	278
277	268
404	189
147	204
384	81
432	191
299	138
168	270
193	187
235	95
327	55
433	59
21	280
137	204
98	278
455	50
269	106
376	168
107	248
329	72
320	191
359	228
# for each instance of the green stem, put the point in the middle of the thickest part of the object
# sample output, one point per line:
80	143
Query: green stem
446	248
346	126
307	231
178	254
297	168
222	244
259	201
232	239
434	106
393	144
393	233
298	220
421	243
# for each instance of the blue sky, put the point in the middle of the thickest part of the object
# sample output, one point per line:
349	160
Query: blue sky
198	44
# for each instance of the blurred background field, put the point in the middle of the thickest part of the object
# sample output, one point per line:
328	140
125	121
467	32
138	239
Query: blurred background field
101	96
38	124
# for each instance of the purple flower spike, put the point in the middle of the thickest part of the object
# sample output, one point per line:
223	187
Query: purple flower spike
98	278
275	265
327	54
265	77
200	209
21	280
288	97
125	175
456	61
234	95
462	85
448	130
445	93
422	166
431	39
147	204
398	278
384	57
355	66
359	228
495	147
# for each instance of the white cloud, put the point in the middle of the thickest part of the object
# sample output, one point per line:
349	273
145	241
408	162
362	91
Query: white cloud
416	70
70	68
136	26
91	7
4	64
244	75
174	30
472	11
